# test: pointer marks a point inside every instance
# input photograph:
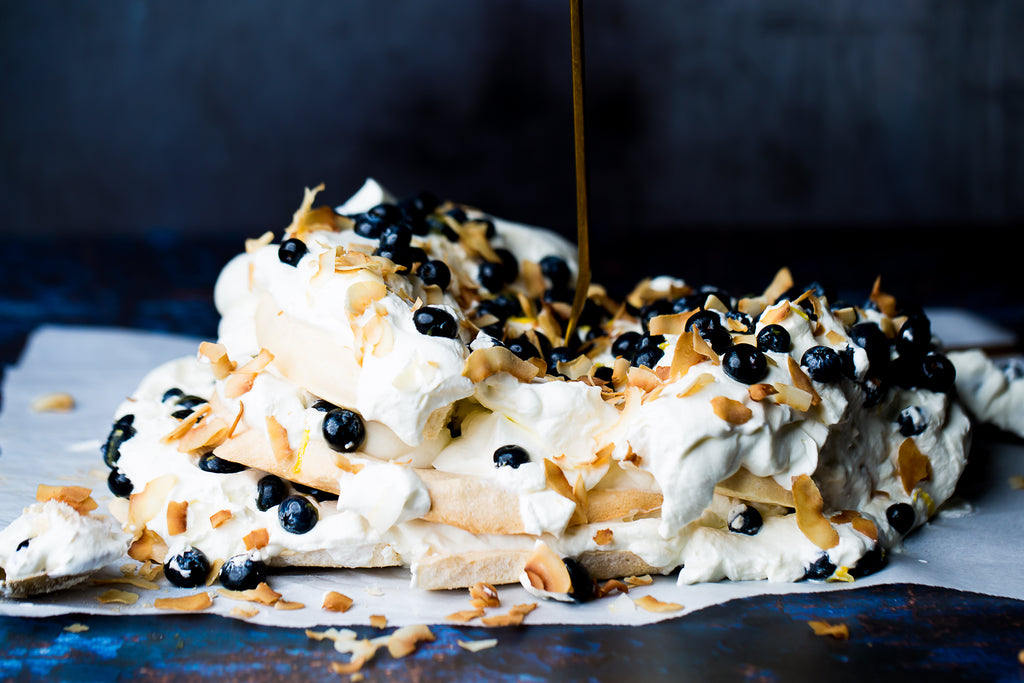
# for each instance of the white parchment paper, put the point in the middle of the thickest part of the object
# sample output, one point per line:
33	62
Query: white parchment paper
977	545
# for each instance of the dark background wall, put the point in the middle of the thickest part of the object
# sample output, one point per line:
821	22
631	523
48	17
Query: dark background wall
127	116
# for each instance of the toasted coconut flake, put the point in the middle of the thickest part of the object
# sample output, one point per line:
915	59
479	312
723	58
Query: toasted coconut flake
704	379
362	294
278	437
809	518
177	517
913	465
802	381
701	346
253	245
652	604
477	645
484	363
136	581
205	435
559	484
484	595
119	596
797	399
56	402
403	641
217	354
185	425
780	284
776	315
214	571
145	505
288	605
258	538
886	302
644	580
465	616
835	338
514	617
78	497
545	570
219	517
761	391
643	378
730	410
603	536
673	323
186	603
378	621
148	547
611	586
76	628
263	594
866	527
752	306
336	602
823	628
240	612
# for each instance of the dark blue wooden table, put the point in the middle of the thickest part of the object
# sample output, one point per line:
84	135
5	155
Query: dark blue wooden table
164	283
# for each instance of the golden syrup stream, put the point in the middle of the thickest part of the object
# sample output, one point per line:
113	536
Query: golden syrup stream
582	230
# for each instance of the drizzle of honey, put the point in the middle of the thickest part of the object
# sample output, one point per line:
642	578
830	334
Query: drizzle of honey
582	229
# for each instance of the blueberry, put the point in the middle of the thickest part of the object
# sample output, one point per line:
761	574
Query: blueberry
322	406
119	484
874	390
344	430
501	307
188	569
625	345
869	336
396	236
774	338
510	456
182	414
434	272
561	354
556	270
710	290
583	586
368	226
869	563
847	362
297	514
820	569
208	462
744	363
915	336
121	431
400	256
509	264
457	214
604	373
523	348
746	521
901	517
708	324
491	276
22	545
823	364
318	495
173	392
241	573
190	402
291	251
648	351
937	372
385	213
435	322
912	421
270	491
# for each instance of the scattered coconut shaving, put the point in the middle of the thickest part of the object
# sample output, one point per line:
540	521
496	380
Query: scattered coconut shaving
118	596
56	402
186	603
652	604
477	645
76	628
823	628
336	602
